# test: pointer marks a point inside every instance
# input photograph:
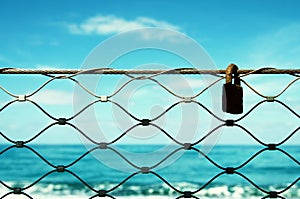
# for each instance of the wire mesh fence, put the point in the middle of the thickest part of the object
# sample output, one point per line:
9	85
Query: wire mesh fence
149	75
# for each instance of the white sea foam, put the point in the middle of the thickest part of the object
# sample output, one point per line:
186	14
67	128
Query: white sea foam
65	191
212	193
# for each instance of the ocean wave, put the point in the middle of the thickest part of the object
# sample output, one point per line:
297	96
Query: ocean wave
137	191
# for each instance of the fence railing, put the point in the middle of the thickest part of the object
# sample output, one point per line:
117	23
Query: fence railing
138	75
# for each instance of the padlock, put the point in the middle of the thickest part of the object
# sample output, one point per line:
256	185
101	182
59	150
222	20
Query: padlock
232	97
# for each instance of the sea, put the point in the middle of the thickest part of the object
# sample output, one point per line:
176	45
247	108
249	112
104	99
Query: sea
185	170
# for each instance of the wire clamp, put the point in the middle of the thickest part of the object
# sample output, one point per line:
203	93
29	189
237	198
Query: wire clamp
103	98
22	98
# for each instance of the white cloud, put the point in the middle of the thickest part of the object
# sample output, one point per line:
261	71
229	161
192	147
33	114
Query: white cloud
110	24
40	40
279	47
46	67
53	97
270	85
189	83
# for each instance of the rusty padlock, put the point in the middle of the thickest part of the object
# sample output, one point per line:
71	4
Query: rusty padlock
232	97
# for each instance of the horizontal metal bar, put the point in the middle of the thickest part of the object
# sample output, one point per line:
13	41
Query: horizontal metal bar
186	71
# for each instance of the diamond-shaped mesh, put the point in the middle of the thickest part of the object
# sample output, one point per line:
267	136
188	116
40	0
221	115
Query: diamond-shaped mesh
147	170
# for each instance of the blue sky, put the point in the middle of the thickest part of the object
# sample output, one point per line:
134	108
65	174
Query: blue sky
231	31
60	34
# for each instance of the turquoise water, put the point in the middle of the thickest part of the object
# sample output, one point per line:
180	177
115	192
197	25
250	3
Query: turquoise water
185	170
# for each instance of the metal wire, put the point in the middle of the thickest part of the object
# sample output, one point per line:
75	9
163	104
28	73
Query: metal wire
69	75
139	72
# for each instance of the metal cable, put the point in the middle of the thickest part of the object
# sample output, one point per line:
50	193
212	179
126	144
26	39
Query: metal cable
139	72
147	75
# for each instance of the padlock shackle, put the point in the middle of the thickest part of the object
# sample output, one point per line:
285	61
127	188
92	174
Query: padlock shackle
231	70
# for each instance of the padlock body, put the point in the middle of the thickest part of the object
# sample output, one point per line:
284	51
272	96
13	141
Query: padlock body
232	98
